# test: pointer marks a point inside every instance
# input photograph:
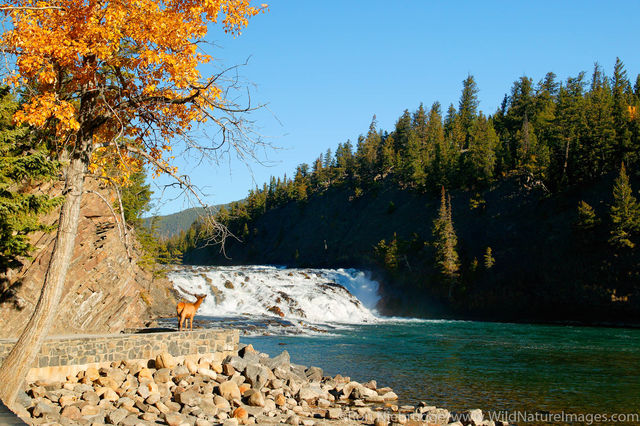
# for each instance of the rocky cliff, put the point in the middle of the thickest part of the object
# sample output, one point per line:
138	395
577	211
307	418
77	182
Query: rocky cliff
105	291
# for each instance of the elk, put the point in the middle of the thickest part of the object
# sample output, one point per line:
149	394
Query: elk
187	310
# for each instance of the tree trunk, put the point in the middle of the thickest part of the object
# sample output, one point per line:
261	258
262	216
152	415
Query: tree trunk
21	358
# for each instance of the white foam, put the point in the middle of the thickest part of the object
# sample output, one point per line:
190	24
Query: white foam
307	295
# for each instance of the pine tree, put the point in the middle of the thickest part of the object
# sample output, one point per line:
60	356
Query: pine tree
445	242
419	123
481	157
625	212
22	163
402	132
570	126
595	154
367	152
587	218
468	106
453	129
621	89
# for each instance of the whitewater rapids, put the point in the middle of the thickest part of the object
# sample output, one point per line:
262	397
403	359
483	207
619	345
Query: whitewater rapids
298	297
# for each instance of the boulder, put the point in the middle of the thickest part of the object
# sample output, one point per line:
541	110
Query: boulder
293	420
191	366
125	401
109	395
221	403
165	360
362	393
229	390
251	357
130	420
71	412
189	397
67	400
245	348
324	403
240	413
175	419
348	388
282	361
117	416
208	407
107	382
116	374
308	394
371	384
91	374
90	410
228	370
280	400
255	398
153	398
257	375
163	375
313	374
145	373
334	413
236	362
206	372
390	396
375	399
180	372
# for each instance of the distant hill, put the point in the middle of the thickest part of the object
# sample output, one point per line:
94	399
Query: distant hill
173	224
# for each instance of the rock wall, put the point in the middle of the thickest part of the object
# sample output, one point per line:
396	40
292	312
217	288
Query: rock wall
105	290
61	356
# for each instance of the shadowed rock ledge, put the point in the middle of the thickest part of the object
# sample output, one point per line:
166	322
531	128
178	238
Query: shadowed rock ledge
105	291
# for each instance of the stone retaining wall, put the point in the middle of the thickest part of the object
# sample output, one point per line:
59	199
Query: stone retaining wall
61	356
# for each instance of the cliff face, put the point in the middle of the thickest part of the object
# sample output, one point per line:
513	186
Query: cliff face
105	291
544	268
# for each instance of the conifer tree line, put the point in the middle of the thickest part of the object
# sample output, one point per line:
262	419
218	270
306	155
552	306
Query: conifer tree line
551	134
24	163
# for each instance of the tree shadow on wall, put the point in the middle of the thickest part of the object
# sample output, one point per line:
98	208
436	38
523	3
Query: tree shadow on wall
8	288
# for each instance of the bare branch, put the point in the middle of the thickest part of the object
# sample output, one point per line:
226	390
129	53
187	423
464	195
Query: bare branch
216	232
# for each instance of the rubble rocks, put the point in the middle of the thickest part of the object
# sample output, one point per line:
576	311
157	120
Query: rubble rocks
246	388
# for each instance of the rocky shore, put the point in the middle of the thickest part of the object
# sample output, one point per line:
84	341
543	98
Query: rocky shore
247	388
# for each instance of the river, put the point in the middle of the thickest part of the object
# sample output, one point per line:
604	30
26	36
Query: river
330	321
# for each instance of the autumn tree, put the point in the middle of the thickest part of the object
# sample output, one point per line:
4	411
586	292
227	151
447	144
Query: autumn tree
118	83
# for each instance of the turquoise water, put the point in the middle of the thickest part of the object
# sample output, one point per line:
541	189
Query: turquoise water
493	366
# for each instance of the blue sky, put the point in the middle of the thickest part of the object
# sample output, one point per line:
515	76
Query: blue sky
325	67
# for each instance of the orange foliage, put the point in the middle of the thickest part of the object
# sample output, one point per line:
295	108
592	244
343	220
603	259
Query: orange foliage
133	62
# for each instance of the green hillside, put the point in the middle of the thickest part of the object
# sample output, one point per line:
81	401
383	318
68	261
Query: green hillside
173	224
530	213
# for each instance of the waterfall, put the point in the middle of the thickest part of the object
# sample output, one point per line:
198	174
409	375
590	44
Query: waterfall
317	296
